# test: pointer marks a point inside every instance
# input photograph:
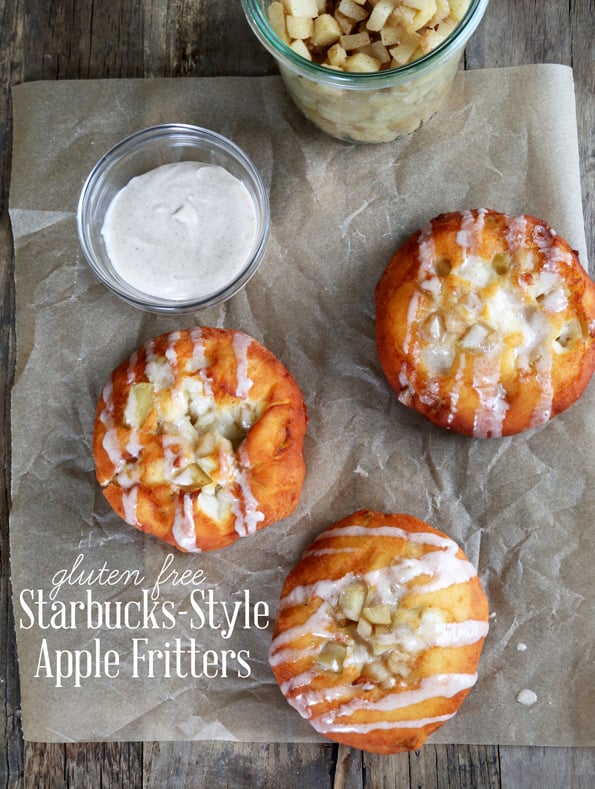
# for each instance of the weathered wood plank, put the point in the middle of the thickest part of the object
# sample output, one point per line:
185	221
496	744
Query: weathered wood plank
44	766
11	70
547	768
513	33
349	768
80	40
238	765
193	39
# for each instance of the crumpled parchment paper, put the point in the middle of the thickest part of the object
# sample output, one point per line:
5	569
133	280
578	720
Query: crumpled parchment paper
112	626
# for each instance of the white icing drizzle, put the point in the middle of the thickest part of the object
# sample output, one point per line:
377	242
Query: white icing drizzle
447	634
445	567
405	396
456	392
411	316
471	229
355	530
461	634
526	697
543	409
516	232
110	441
199	362
183	529
241	343
297	682
364	728
426	250
171	454
543	239
247	520
328	551
292	655
129	502
170	351
133	447
158	371
489	416
317	624
131	373
439	685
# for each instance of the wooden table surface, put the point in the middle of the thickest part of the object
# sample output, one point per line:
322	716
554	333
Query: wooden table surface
73	39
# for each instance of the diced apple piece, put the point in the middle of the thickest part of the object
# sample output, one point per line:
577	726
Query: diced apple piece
474	338
192	477
362	63
336	56
424	15
139	404
397	664
299	26
352	599
382	644
380	15
458	9
391	35
345	23
378	614
364	629
379	51
352	10
277	21
402	53
300	48
355	41
332	656
326	32
378	672
301	8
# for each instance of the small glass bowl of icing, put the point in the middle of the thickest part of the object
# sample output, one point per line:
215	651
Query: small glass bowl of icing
174	218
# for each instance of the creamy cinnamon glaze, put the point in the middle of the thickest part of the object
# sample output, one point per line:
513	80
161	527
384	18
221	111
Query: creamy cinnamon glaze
181	231
350	648
497	310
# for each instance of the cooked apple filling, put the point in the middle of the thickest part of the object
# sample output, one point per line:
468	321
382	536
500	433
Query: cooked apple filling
383	640
498	306
199	437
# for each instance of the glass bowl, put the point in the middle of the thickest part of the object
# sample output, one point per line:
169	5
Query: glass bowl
140	153
368	107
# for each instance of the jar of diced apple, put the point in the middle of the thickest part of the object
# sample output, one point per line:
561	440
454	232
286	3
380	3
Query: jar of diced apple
366	70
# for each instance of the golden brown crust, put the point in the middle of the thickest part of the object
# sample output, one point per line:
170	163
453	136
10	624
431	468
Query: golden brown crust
485	323
381	624
199	437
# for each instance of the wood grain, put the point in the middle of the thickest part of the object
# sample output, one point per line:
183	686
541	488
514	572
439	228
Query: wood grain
81	39
11	750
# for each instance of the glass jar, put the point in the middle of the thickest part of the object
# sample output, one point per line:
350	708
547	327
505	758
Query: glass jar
367	107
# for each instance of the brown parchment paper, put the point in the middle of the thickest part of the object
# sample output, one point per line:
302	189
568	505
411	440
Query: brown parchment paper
523	508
